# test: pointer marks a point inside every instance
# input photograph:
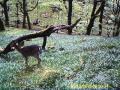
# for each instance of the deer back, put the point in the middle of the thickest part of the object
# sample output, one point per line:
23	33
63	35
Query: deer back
31	50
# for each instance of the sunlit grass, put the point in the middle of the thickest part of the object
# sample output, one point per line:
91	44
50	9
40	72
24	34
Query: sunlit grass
82	59
69	62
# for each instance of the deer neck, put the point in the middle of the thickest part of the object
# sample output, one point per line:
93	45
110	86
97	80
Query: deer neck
18	48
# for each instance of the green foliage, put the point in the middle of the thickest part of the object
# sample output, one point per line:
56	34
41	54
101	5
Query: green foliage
77	60
82	60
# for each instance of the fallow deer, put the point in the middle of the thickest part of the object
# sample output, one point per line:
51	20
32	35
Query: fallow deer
27	51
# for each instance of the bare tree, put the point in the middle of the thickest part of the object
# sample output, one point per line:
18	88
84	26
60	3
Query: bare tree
70	4
17	14
101	17
70	15
5	11
95	14
44	34
24	9
1	25
116	13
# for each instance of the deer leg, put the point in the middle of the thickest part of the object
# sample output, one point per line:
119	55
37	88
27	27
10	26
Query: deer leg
37	57
39	60
26	61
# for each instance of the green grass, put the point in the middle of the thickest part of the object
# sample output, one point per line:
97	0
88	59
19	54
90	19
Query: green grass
83	60
57	17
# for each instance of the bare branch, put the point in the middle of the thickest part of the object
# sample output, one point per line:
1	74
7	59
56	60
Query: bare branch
44	33
33	7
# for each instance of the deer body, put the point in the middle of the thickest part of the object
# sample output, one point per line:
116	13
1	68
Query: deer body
27	51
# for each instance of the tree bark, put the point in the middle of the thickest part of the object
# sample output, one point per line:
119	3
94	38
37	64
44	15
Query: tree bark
24	13
115	25
95	14
1	25
5	11
70	16
116	12
117	28
6	14
17	14
44	34
28	20
101	17
91	23
44	42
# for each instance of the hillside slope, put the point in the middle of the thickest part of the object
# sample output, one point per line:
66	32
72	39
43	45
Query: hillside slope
69	60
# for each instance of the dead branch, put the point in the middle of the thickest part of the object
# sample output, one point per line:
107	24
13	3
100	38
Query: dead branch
33	7
44	33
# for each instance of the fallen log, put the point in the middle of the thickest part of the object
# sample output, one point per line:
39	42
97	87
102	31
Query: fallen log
44	33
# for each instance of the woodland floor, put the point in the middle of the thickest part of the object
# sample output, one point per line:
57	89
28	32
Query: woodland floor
70	61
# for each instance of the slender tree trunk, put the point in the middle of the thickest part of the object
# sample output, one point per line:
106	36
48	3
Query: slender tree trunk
6	14
24	13
24	21
116	12
5	11
91	23
28	20
117	29
44	42
70	16
101	17
17	15
1	25
115	26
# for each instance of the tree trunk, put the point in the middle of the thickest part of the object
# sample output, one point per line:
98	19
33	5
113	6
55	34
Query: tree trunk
44	42
101	17
70	16
17	14
117	29
24	21
24	13
91	23
1	25
115	26
6	15
114	31
45	33
5	11
28	21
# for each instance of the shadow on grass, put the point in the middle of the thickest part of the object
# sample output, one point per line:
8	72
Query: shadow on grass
34	76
